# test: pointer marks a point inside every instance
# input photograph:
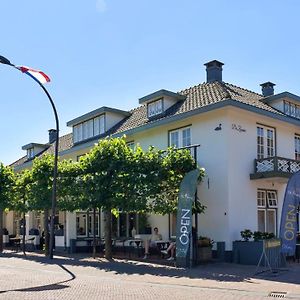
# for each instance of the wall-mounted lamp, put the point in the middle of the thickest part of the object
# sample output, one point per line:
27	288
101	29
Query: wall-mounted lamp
218	127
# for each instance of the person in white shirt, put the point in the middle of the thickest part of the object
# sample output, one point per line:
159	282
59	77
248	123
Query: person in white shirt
152	241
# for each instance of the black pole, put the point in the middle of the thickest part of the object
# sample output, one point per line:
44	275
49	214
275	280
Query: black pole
53	206
5	61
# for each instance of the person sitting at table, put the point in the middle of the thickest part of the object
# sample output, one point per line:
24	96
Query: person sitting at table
171	249
151	242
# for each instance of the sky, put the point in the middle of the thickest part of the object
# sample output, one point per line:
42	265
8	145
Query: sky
113	52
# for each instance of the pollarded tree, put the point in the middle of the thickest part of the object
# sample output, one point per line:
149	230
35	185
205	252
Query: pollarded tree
104	169
114	177
7	186
41	190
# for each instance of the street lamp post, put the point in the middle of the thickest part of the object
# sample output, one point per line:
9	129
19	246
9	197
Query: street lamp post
5	61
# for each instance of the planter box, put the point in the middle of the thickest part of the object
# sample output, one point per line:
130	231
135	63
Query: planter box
247	253
204	254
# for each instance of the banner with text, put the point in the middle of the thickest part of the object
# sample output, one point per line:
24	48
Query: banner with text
288	225
186	198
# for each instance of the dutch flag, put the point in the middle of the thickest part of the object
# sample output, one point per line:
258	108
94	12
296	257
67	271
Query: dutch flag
37	75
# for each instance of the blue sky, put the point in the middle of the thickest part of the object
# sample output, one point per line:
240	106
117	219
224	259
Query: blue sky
112	52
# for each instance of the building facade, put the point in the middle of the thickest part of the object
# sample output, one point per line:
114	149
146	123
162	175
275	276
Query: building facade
249	147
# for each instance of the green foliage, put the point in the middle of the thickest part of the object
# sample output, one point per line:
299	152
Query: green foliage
246	234
68	183
42	181
7	187
258	236
23	182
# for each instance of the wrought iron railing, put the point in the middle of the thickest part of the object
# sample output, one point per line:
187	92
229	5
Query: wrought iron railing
276	164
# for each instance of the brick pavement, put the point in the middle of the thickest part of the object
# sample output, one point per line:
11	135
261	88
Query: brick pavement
84	278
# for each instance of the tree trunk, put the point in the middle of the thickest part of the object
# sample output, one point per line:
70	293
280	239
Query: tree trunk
1	230
94	232
107	230
24	234
46	231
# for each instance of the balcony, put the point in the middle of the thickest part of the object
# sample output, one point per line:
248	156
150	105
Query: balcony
274	167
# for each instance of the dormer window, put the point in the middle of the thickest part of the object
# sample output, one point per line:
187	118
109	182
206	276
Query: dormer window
155	108
158	102
34	149
291	109
30	153
89	128
95	123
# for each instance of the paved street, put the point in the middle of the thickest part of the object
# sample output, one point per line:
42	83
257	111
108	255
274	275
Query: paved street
85	278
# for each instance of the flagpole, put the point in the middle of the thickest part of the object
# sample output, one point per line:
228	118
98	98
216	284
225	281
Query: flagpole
5	61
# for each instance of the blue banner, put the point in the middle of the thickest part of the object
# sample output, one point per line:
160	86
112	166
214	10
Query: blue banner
288	225
186	198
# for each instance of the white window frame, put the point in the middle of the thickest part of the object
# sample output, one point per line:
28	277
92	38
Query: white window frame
88	129
291	109
99	125
266	146
270	204
155	108
261	198
30	153
180	133
272	199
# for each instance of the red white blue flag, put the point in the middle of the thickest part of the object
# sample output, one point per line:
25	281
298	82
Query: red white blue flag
37	75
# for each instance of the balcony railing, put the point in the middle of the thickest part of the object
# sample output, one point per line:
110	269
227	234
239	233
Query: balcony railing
274	167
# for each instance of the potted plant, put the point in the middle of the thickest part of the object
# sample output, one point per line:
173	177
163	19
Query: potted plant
246	235
204	249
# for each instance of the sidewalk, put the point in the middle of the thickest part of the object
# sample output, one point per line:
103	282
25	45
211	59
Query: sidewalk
214	276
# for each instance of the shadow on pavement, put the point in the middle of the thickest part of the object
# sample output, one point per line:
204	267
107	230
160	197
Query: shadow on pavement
53	286
224	272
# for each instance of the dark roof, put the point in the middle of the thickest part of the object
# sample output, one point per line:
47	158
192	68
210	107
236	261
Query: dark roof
198	96
65	142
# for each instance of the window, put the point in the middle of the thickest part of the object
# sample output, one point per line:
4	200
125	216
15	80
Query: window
267	211
291	109
77	133
85	223
123	224
30	153
89	128
180	137
99	125
173	220
81	224
265	142
155	108
297	147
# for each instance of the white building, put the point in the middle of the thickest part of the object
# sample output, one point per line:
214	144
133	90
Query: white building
250	146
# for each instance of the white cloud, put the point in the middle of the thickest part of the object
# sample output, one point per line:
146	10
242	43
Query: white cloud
101	6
